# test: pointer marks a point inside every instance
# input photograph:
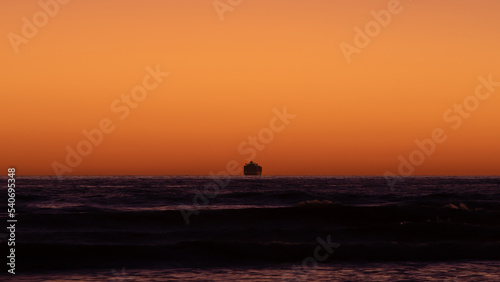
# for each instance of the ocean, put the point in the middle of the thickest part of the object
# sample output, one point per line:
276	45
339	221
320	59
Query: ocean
254	228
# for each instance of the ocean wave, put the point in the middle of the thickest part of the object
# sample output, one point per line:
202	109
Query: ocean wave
315	203
206	253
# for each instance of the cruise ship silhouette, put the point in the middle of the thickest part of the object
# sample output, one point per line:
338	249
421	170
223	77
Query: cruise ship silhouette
252	169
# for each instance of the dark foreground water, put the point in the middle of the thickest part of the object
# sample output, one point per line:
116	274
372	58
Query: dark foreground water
255	229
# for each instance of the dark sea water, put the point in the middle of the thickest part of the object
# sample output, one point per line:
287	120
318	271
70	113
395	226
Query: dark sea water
265	228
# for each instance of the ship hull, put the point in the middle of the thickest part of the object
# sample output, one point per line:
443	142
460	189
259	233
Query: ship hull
253	172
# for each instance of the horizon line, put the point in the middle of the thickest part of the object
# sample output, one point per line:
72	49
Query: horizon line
333	175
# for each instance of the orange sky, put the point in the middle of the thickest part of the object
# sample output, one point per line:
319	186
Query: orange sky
226	77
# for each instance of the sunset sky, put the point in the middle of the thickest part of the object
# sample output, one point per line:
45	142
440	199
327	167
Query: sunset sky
227	75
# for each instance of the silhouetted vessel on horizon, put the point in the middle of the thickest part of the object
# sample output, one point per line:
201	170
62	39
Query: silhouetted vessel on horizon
252	168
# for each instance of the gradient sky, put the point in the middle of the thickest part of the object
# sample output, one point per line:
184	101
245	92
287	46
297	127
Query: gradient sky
226	77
